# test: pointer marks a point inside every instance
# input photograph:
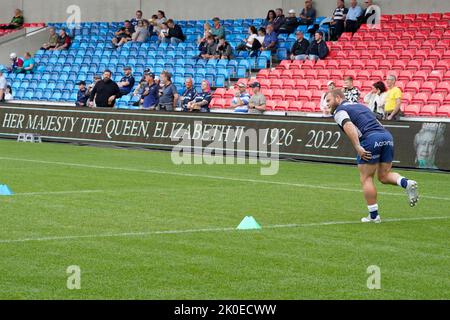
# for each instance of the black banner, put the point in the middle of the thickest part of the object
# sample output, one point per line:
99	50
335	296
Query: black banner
418	145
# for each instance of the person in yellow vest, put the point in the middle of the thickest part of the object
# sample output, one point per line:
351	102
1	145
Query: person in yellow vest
393	99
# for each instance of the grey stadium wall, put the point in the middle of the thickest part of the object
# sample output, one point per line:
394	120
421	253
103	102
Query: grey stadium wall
117	10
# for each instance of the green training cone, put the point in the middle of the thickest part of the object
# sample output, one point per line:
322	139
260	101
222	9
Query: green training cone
248	223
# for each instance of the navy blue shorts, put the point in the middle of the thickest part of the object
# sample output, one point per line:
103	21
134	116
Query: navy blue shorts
381	145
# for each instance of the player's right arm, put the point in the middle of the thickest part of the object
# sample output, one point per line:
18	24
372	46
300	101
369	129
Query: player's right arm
343	120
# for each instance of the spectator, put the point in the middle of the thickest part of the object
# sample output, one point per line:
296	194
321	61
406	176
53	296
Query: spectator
163	33
16	63
206	31
152	22
126	84
82	95
16	22
300	47
351	93
210	48
393	99
142	32
279	20
241	99
261	36
97	78
150	96
318	49
323	100
218	31
250	44
353	15
223	50
270	40
63	42
202	41
28	64
368	12
135	21
169	95
52	40
157	23
308	14
290	23
257	103
174	34
269	19
188	94
123	35
337	20
376	99
9	93
105	92
3	86
139	91
202	99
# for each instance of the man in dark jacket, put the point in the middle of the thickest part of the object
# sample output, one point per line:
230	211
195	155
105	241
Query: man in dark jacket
318	49
105	92
279	20
290	23
175	34
300	47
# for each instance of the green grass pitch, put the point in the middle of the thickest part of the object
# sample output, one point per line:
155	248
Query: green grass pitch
140	227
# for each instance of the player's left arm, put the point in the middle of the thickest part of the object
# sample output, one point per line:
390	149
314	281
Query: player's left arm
352	133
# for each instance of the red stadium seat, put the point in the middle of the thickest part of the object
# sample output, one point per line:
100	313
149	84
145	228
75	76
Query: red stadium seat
445	54
420	99
412	86
436	98
263	74
332	64
443	65
278	94
324	74
308	64
316	95
428	87
301	84
435	17
267	93
372	64
321	64
286	74
436	75
377	75
285	64
311	74
337	74
442	44
299	74
422	17
405	75
218	103
219	93
358	64
305	95
420	75
315	85
398	65
230	93
413	65
407	54
289	84
428	110
411	110
407	97
443	111
428	65
309	106
421	54
446	76
364	74
295	106
282	106
265	83
447	99
291	95
275	74
296	64
276	84
429	44
345	64
270	105
443	87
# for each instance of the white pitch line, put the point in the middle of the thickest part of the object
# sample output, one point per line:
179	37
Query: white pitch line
206	230
299	185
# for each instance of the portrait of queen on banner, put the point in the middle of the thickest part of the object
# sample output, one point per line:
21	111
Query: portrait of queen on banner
427	143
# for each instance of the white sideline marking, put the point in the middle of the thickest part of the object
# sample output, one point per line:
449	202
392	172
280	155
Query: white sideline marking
299	185
205	230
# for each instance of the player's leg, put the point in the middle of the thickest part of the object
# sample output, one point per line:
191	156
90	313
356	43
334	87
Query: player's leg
367	173
386	176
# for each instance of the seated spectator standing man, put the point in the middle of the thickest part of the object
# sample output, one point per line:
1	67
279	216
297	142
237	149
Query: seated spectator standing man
290	23
52	40
150	97
82	95
210	49
352	18
3	86
337	20
105	92
63	42
393	100
126	84
123	35
351	93
169	97
318	49
257	103
175	34
308	14
279	20
368	11
138	18
188	94
223	50
300	47
28	64
241	99
202	99
16	22
217	31
270	40
16	63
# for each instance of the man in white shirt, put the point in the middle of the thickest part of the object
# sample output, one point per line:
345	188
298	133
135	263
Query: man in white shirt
3	85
